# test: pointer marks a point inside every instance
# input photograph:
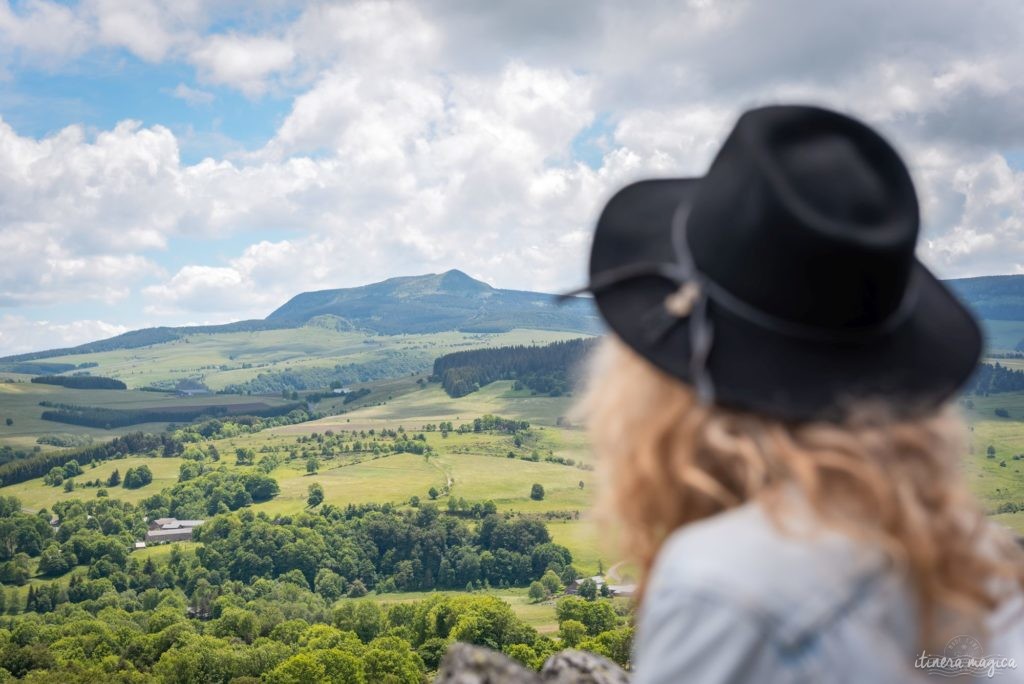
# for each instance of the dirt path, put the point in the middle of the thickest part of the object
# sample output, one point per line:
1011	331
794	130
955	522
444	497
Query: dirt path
612	575
447	475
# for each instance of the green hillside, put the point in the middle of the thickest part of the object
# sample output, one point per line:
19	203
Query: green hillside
999	302
450	301
476	481
998	298
432	303
306	357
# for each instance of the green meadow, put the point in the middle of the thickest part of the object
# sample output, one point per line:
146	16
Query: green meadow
35	495
222	359
1003	336
540	616
471	466
475	467
20	402
999	479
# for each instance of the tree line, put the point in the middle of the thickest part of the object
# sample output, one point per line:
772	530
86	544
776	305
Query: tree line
995	378
335	552
39	464
275	632
108	418
542	369
44	368
208	493
379	547
84	382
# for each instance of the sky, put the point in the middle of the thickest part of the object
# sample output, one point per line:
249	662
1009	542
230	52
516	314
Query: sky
202	161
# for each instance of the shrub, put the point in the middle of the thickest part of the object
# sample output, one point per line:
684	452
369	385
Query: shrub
137	477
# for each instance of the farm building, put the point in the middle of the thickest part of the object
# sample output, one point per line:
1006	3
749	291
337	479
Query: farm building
172	524
181	534
171	529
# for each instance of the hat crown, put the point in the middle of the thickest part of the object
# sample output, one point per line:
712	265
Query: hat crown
807	215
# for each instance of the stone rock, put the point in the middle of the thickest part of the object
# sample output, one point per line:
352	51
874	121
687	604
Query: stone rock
466	664
581	667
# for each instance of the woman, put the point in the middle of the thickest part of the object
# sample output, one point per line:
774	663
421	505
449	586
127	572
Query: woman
773	412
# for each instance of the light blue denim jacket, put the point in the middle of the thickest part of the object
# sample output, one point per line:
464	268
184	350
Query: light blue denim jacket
733	599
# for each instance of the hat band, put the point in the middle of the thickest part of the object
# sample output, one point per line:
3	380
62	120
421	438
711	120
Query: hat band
697	289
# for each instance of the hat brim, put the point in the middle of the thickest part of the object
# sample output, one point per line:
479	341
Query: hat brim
914	367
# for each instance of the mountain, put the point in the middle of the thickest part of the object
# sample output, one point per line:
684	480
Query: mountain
435	303
998	298
415	304
452	300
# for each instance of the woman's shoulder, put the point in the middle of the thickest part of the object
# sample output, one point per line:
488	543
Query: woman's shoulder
794	577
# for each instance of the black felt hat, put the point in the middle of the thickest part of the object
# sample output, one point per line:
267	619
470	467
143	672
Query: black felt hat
784	281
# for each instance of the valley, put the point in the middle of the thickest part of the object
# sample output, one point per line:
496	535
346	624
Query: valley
347	480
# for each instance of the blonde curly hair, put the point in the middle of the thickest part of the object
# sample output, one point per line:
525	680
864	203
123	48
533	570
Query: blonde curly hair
667	461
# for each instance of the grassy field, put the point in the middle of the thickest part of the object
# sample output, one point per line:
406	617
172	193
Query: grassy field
35	495
591	550
475	466
1003	336
472	466
540	616
999	479
19	401
431	405
222	359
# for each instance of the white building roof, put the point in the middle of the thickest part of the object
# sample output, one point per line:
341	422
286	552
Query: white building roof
175	524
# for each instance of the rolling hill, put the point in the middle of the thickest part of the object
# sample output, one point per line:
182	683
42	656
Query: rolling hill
999	302
999	298
453	301
449	301
435	303
385	331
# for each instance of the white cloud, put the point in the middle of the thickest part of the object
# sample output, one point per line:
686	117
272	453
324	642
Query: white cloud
147	29
41	30
198	288
250	286
193	96
91	195
242	62
984	232
19	334
424	136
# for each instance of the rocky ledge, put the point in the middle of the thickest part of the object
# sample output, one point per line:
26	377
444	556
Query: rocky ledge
466	664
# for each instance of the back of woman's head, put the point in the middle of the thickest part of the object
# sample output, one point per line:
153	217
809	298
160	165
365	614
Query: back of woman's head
670	460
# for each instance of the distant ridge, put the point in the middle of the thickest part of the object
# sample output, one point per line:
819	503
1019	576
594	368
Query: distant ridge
997	298
434	302
437	302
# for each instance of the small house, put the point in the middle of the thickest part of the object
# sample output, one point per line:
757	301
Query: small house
173	524
171	529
